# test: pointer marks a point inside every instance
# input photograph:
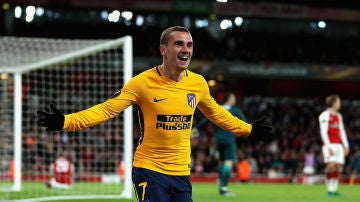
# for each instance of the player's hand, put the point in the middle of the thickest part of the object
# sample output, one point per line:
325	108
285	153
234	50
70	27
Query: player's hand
331	152
261	130
51	121
346	151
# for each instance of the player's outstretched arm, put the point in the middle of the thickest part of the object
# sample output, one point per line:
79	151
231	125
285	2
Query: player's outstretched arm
53	121
261	130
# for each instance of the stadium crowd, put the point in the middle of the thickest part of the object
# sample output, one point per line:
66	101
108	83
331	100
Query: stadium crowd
295	120
90	153
296	131
243	43
251	46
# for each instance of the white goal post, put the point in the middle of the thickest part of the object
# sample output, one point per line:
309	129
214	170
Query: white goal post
74	75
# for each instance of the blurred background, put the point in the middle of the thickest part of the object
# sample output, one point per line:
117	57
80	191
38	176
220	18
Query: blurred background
280	57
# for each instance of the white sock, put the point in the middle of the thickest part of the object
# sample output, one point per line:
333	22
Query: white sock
336	184
331	185
223	188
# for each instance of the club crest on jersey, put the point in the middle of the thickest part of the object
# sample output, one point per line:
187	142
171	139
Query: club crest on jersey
191	99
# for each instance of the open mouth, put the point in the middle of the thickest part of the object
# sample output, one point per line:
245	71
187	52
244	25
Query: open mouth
183	58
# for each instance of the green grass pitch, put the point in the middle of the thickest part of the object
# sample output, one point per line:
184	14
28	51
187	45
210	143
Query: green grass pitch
244	192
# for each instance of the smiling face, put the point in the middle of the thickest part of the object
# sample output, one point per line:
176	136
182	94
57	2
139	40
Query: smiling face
177	51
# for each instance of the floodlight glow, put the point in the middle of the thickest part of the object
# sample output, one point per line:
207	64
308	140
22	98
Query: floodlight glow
114	16
238	21
104	15
29	18
225	24
57	15
4	76
139	20
150	19
211	82
40	11
220	77
187	22
322	24
5	6
127	22
127	15
221	1
30	10
17	12
49	13
199	23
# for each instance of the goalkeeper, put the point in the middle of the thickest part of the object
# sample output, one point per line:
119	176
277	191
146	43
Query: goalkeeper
226	144
167	96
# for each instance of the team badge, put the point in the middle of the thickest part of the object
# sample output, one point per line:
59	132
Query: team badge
191	99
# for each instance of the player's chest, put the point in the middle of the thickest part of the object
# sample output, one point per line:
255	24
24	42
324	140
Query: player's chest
175	99
333	121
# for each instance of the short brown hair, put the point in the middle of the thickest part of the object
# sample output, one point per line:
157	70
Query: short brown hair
331	99
165	35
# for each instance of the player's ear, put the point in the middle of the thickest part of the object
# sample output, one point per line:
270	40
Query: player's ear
162	49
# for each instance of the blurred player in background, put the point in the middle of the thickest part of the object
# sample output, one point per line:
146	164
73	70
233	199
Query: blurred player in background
355	166
226	144
309	165
167	96
335	143
61	173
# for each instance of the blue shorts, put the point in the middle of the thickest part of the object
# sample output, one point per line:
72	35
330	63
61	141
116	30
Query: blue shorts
151	186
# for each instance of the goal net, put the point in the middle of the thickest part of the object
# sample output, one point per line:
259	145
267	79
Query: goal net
74	75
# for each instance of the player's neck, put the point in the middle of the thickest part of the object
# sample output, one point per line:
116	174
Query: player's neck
332	110
172	74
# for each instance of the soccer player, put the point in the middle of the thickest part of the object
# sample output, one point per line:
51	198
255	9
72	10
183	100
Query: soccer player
61	173
226	144
355	166
335	144
309	166
167	96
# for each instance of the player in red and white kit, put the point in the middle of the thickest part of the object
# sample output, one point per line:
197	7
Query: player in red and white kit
61	173
335	142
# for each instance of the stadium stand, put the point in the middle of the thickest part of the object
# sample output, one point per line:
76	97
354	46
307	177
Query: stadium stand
294	118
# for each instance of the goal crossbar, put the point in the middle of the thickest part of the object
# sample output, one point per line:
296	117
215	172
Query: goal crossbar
67	56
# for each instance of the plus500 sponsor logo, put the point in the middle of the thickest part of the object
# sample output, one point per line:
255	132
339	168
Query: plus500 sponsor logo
174	122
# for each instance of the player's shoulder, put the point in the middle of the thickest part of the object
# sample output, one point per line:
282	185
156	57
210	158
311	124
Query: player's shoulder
339	114
324	115
235	109
142	76
146	73
194	76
